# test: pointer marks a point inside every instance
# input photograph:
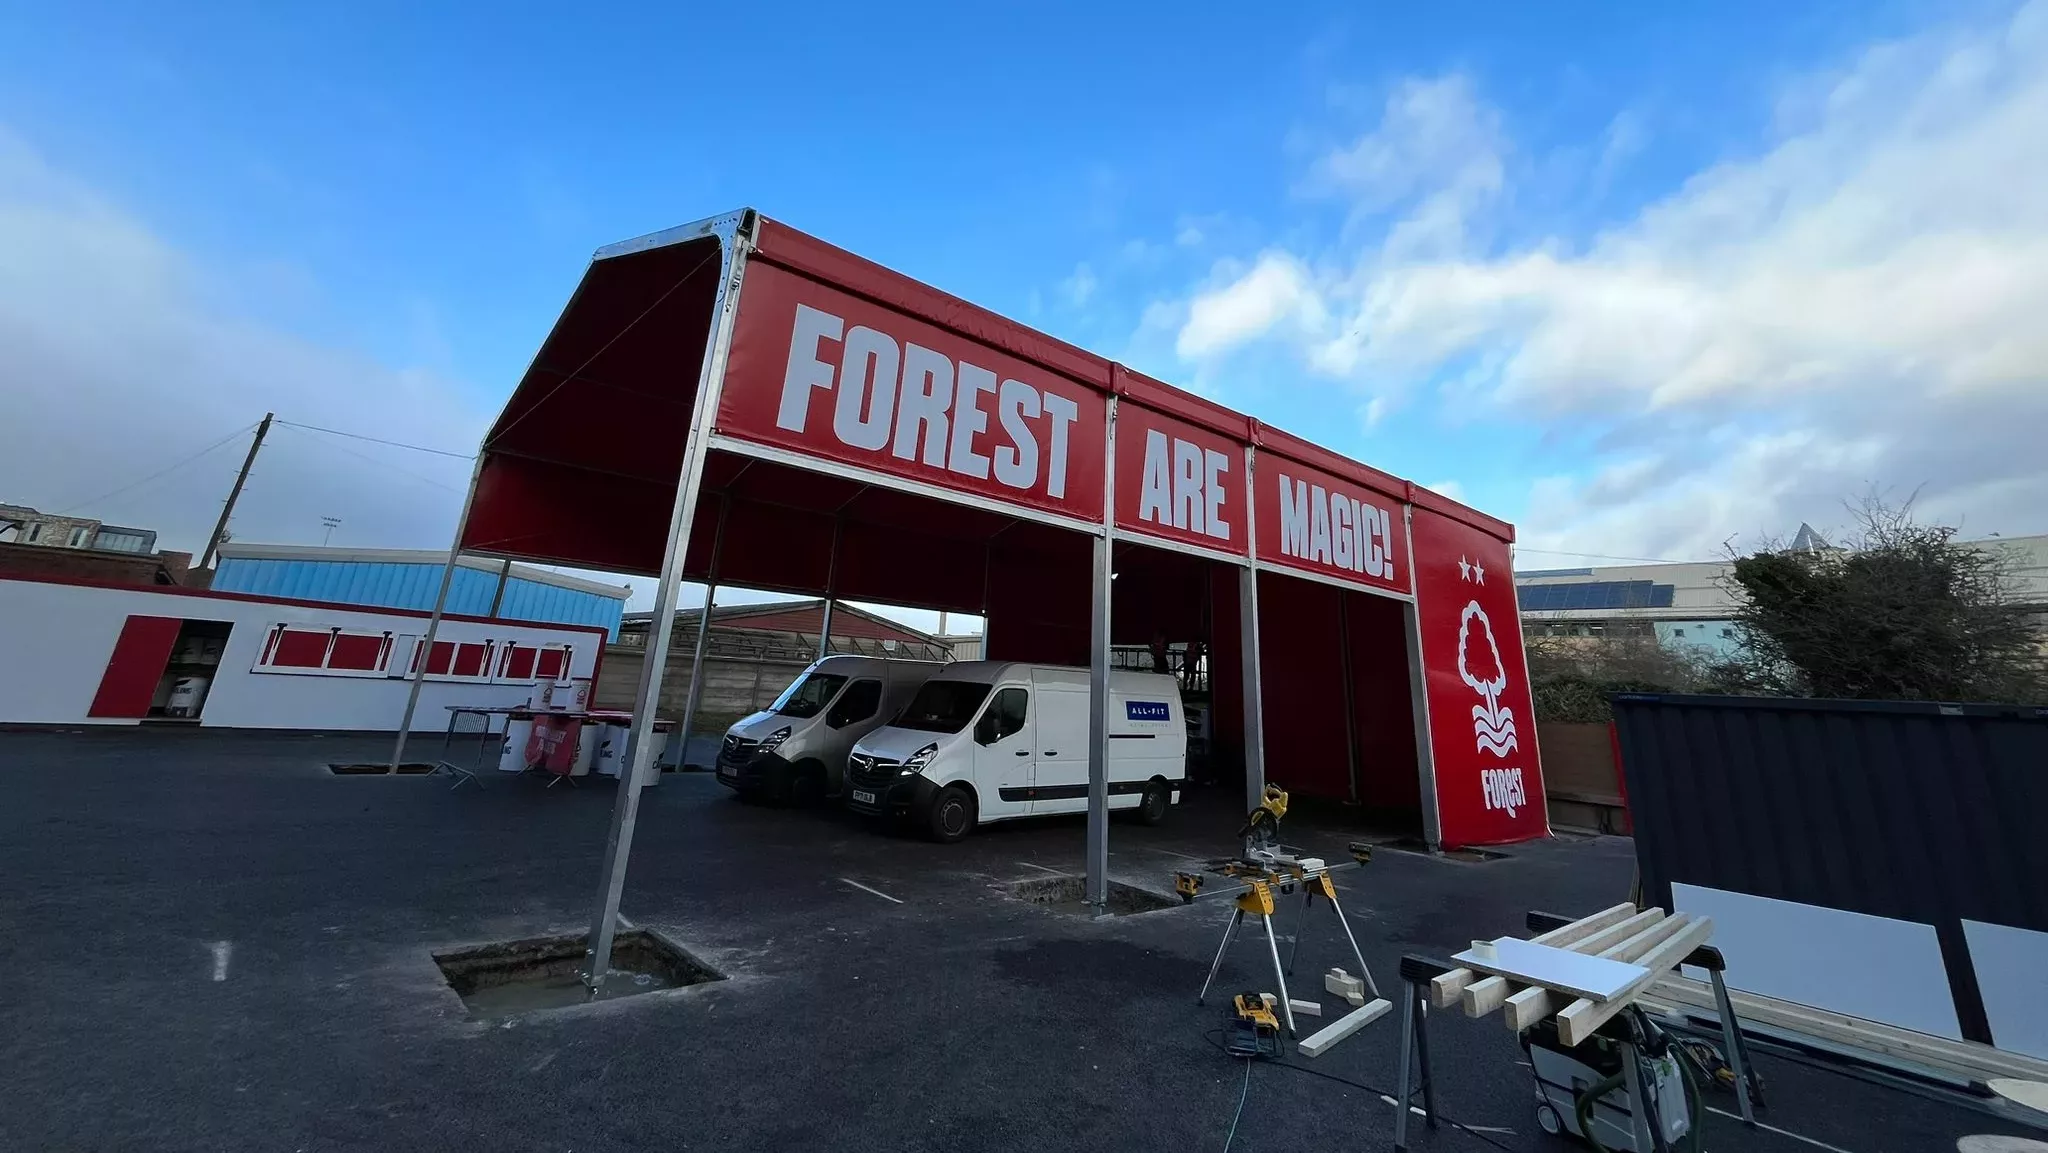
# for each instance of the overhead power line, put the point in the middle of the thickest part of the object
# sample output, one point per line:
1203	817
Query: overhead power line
385	466
162	472
377	440
1607	556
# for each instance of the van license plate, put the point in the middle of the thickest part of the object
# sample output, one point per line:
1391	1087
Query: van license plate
863	798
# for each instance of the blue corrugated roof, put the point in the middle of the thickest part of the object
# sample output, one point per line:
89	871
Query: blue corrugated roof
390	585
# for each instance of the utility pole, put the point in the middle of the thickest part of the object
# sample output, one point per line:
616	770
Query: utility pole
220	527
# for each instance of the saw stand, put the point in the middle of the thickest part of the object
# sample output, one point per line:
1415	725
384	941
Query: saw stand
1261	872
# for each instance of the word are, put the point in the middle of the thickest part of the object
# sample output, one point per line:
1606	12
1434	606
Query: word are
1183	485
1503	789
919	405
1333	529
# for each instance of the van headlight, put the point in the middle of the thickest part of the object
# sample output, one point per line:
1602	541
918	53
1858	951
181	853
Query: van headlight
915	762
775	738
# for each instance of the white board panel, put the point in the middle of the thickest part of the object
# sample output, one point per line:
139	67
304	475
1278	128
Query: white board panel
1876	968
1553	968
2012	974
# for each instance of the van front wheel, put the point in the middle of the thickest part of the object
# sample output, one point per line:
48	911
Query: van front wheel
1153	805
952	815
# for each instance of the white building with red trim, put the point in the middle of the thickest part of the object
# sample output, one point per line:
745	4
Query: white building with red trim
93	654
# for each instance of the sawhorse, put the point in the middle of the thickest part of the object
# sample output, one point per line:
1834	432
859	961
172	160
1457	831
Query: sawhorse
1417	971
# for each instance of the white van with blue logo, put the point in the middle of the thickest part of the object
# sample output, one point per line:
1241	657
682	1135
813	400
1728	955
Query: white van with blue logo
990	740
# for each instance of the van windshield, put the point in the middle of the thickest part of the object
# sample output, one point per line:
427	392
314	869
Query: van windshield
943	706
808	696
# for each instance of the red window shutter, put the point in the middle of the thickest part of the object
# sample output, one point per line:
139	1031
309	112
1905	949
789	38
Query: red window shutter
470	659
357	651
519	665
549	667
136	665
300	649
439	660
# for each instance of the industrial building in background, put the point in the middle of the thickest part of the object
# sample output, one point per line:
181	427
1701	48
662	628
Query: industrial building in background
408	579
752	654
40	544
1690	604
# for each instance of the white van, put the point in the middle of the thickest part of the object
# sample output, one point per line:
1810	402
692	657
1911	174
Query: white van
795	749
989	740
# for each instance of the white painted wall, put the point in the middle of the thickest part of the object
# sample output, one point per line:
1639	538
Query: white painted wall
55	640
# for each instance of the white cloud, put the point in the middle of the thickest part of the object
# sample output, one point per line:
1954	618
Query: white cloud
1080	287
1276	288
121	361
1859	302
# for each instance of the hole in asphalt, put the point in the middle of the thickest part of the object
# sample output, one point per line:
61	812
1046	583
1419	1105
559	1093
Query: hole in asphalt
1068	895
1415	845
513	977
381	768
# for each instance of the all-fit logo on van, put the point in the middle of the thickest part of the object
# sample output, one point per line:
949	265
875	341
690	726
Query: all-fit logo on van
1147	711
905	399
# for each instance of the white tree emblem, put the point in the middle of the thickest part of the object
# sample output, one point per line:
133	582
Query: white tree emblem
1493	724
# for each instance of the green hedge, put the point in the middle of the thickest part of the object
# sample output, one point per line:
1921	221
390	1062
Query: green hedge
1567	697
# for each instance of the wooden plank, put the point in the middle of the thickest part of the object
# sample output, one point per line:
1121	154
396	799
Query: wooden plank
1969	1059
1618	932
1309	1008
1578	1020
1483	997
1343	1027
1445	988
1532	1005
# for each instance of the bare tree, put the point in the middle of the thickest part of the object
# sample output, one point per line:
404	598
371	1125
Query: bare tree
1901	611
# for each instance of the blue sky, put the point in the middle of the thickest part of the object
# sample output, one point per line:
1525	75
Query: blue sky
1631	275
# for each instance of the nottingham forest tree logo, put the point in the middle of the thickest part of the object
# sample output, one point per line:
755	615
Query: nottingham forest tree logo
1480	666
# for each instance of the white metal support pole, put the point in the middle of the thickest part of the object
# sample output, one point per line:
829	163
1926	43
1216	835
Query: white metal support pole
831	590
1350	692
988	556
696	444
1248	641
1418	694
1098	679
425	651
703	642
498	595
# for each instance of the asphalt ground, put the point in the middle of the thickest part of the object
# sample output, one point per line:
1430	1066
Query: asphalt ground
211	942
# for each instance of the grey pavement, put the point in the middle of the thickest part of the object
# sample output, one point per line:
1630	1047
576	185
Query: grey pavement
213	943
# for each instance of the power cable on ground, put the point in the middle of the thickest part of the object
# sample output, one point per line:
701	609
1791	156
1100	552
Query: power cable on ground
1215	1038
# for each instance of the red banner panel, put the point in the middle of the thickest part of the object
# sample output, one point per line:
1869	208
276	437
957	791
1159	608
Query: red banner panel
1310	520
830	375
1482	727
1177	481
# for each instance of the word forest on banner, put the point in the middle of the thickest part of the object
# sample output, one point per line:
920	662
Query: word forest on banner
831	375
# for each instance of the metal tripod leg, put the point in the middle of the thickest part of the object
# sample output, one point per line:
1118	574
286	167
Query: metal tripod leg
1738	1056
1364	972
1229	935
1414	1044
1273	945
1300	927
1639	1113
